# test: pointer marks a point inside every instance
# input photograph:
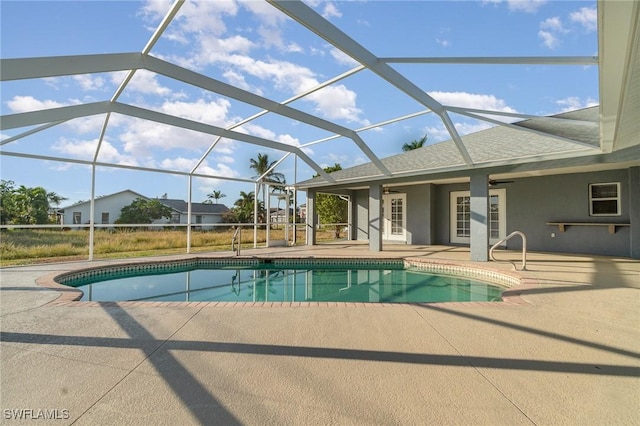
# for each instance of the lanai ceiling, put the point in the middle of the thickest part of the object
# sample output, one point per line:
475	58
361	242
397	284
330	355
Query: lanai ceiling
618	80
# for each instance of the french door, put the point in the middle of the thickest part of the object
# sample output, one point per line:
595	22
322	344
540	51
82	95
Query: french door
394	217
461	216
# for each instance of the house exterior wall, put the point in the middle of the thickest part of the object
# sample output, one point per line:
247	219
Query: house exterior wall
533	202
207	219
111	204
361	214
530	204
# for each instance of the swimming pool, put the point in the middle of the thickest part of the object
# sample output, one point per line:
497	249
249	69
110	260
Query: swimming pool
281	280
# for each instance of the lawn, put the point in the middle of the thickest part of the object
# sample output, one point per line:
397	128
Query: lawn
25	246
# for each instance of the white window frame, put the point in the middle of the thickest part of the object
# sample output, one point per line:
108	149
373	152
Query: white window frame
616	198
502	216
77	218
102	218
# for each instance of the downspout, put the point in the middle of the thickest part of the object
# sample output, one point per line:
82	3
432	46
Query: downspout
255	216
189	214
92	209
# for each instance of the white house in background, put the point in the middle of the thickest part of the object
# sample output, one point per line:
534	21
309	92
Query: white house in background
107	210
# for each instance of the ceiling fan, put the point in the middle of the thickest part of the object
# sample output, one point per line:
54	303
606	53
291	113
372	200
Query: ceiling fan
387	190
494	182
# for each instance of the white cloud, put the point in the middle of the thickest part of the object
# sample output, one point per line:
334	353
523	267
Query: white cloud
529	6
550	30
214	112
86	149
343	58
220	169
225	159
472	100
466	128
144	138
232	54
443	42
143	81
573	102
90	82
237	80
330	10
337	102
179	163
587	17
29	103
548	39
553	24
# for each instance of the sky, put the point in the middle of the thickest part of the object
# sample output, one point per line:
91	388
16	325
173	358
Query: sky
253	46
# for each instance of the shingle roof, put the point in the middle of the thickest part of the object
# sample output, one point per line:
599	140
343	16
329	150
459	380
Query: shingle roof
500	143
196	208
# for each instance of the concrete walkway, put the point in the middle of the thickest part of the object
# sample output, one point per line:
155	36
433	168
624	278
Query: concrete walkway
569	355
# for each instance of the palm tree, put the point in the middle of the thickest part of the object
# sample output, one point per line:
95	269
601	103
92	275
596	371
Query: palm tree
261	166
216	195
55	199
244	207
415	144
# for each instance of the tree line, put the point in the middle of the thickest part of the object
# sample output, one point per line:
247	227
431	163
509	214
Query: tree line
21	205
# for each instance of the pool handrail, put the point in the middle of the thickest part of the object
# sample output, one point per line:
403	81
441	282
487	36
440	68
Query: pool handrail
237	236
524	249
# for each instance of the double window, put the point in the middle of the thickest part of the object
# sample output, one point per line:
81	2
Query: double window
604	199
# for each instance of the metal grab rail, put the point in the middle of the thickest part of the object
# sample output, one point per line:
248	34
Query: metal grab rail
524	249
237	236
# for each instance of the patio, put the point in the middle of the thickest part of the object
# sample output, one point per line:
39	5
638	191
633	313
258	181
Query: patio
568	353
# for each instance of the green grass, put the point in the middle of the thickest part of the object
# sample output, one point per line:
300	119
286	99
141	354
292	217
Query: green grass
27	246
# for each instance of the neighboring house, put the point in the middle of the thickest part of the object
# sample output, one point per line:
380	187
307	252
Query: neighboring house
280	215
546	177
302	211
202	214
108	207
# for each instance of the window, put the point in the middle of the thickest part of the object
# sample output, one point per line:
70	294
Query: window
604	199
105	217
198	219
77	218
175	218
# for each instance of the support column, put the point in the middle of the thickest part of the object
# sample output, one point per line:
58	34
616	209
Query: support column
375	218
479	226
311	218
634	212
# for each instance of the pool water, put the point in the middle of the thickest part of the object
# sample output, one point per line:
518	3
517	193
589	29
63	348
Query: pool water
279	284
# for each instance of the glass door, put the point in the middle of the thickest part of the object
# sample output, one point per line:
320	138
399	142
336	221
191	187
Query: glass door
394	217
461	216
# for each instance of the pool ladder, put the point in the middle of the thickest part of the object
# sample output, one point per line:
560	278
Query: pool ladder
524	249
237	238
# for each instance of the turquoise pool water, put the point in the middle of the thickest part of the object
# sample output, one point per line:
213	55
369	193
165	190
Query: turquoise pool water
266	282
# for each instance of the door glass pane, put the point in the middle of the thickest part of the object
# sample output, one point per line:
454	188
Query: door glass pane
396	216
463	216
494	221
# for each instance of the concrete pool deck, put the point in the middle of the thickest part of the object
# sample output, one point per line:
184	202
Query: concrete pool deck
569	354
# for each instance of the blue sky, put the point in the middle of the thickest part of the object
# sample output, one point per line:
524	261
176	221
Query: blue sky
255	47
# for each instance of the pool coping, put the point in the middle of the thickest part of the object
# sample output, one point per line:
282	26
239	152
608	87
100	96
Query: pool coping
515	282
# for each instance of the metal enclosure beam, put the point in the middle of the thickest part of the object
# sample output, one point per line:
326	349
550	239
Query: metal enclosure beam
307	17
